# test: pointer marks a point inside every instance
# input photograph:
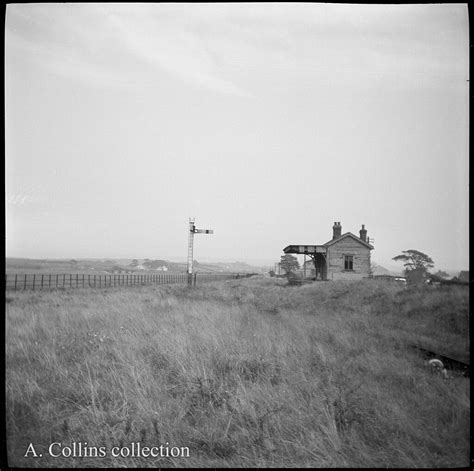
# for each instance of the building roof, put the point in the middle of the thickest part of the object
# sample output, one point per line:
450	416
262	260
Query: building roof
344	236
313	249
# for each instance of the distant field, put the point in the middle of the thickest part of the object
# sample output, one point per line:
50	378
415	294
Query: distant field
245	373
21	266
30	266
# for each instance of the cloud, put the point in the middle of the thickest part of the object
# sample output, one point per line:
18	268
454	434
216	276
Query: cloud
174	48
220	47
113	46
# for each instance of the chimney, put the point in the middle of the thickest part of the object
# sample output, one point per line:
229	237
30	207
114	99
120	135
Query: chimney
336	230
363	233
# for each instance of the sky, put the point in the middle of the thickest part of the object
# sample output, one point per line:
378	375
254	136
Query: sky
265	122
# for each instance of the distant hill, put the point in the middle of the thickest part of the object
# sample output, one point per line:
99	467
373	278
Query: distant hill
234	267
378	270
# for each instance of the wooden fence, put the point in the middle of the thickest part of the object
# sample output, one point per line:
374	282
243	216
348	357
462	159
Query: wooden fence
58	281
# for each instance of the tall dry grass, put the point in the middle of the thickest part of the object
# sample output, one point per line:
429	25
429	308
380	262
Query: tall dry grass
244	373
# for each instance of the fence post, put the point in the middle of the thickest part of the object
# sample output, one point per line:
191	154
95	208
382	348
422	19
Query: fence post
34	279
15	281
42	281
195	276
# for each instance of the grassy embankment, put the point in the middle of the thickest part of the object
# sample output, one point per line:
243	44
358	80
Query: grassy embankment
244	373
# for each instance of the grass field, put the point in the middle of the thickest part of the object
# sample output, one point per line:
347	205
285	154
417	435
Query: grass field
244	373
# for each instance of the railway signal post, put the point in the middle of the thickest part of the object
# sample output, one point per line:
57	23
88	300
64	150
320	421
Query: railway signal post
192	231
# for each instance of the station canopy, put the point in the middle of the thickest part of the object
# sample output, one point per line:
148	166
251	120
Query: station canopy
305	249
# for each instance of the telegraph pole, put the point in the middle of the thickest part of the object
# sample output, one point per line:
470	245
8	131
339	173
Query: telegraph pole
192	231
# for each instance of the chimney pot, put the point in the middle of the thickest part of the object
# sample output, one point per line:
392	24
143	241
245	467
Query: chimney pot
336	230
363	233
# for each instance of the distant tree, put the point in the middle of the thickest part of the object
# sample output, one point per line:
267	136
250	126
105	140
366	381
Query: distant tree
289	263
134	263
271	273
441	274
416	265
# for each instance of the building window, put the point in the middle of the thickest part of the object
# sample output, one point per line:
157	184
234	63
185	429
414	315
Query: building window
348	262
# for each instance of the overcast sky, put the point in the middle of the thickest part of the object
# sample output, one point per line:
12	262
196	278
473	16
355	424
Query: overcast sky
266	122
